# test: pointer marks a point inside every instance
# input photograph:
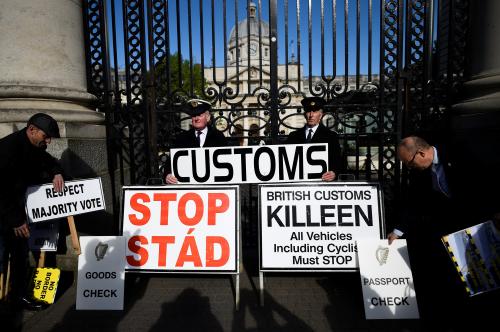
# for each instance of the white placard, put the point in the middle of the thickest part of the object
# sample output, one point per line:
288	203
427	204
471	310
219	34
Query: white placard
44	236
315	227
78	197
181	229
250	164
386	280
101	273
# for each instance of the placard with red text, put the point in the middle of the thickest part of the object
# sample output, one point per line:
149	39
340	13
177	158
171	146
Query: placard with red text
181	229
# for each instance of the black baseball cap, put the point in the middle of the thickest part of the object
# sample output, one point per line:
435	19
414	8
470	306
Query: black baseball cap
46	123
195	107
311	104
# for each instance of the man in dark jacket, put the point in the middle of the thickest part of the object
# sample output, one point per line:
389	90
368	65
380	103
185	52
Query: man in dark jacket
24	162
200	134
428	212
315	132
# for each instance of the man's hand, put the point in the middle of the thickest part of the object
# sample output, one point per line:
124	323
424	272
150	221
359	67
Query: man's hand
58	182
170	179
22	231
391	237
328	176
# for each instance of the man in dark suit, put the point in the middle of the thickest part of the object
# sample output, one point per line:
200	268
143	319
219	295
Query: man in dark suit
200	134
24	162
315	132
429	186
427	213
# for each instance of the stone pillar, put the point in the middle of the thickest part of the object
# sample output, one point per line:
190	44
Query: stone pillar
42	64
42	69
476	118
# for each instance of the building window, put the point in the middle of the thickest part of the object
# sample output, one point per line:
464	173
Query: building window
266	52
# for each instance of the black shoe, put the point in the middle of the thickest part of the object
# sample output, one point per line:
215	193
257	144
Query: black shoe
31	304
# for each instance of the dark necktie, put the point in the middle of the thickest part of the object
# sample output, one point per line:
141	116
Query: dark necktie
309	136
198	133
439	180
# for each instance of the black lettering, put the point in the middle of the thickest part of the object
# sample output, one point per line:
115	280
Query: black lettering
319	162
325	214
343	214
274	215
358	211
228	166
207	166
256	162
297	162
35	213
175	161
295	222
368	195
243	152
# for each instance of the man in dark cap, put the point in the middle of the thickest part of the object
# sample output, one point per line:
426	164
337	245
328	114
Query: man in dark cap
200	134
315	132
24	162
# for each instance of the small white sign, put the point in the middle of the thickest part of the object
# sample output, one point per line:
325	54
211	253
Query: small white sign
77	197
250	164
386	280
44	236
101	273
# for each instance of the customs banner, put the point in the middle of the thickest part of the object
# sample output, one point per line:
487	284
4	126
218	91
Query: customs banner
475	251
181	229
250	164
77	197
315	227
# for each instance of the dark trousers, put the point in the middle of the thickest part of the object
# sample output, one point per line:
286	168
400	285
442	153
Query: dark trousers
18	250
440	293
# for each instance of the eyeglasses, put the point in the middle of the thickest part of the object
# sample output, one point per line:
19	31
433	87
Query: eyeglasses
411	163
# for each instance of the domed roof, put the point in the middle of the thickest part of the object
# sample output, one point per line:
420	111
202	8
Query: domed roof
251	22
254	29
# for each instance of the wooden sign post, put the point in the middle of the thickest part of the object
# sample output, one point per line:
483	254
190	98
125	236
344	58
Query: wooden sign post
74	235
4	281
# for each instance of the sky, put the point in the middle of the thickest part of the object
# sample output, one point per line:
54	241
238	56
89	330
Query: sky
224	18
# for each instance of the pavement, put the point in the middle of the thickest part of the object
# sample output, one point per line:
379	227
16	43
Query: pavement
187	302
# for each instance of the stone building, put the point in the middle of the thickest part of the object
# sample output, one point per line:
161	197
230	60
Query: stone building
248	75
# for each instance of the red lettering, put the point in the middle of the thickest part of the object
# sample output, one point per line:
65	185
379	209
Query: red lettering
210	249
189	244
135	205
162	241
164	199
137	249
181	209
213	208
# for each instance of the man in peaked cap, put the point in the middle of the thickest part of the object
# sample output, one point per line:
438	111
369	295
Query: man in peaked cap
315	132
200	134
23	163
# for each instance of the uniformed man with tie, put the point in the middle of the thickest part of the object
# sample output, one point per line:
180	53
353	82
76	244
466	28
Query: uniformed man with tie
200	134
315	132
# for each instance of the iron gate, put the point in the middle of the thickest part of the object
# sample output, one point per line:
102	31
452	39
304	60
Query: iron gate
385	67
